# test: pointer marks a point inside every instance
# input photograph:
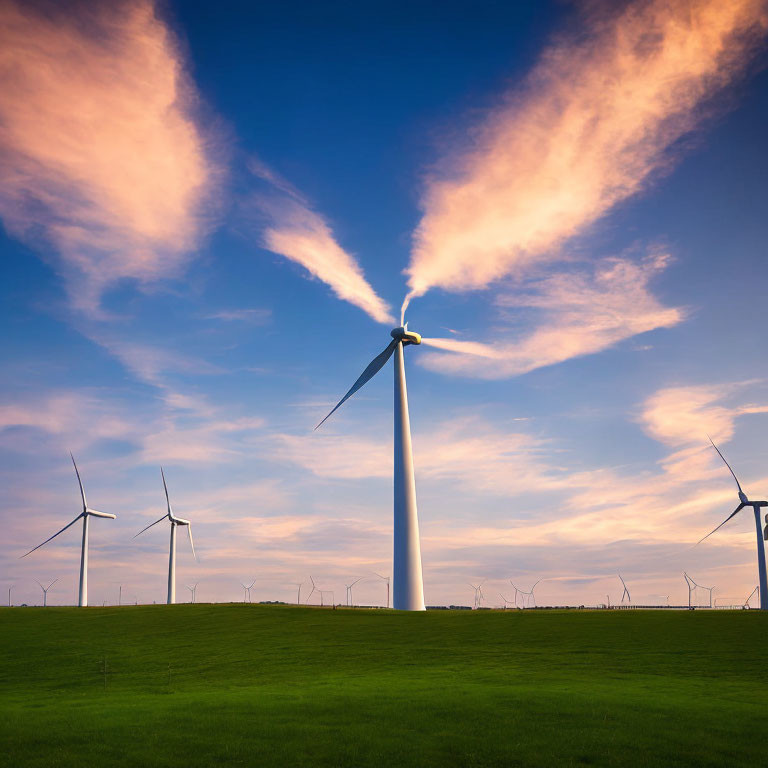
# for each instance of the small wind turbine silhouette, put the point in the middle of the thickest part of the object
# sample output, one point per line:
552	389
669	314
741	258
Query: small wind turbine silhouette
761	534
408	582
312	591
86	514
478	594
298	584
506	601
45	591
387	579
175	521
625	593
193	590
693	585
527	597
350	604
247	591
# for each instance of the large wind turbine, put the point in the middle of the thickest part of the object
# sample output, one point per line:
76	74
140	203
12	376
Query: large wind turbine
408	587
86	514
175	521
761	534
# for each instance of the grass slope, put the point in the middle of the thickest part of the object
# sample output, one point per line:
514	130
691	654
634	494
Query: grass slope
227	685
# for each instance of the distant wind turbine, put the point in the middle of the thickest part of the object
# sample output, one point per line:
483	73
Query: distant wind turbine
625	593
312	591
45	591
478	594
175	522
298	584
408	582
247	591
762	534
506	601
387	579
692	585
193	590
350	604
527	597
86	514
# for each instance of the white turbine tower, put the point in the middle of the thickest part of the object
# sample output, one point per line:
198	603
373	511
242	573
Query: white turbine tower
175	522
408	586
86	514
761	534
45	591
625	593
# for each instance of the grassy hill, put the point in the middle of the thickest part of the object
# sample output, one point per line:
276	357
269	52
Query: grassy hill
247	685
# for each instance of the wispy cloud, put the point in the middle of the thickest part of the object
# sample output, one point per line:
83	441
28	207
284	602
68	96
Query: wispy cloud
574	314
291	228
100	153
255	316
597	119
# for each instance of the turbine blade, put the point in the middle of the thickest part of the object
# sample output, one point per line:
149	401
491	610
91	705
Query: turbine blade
167	498
52	583
150	525
54	535
738	485
96	513
192	543
373	368
79	481
733	514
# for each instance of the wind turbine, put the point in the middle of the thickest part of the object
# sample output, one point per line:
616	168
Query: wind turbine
247	591
193	589
86	514
45	591
298	584
349	592
625	593
478	594
408	582
175	522
761	534
312	591
506	601
693	585
528	597
387	579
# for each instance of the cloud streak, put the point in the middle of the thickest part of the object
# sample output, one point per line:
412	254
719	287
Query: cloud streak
574	314
101	156
292	229
597	119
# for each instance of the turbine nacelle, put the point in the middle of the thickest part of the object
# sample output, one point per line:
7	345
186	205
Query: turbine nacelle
403	334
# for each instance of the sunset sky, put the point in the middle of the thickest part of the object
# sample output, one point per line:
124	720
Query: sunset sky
211	214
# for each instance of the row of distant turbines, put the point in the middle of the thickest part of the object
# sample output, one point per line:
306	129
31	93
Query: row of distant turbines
407	582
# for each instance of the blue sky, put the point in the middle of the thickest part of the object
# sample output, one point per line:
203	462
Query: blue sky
208	213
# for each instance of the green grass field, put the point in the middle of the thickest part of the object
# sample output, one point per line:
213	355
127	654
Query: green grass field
226	685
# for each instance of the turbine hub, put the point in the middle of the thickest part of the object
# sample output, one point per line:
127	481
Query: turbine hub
403	334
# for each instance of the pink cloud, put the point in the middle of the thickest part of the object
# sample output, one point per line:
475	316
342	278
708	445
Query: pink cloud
575	314
100	153
595	122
